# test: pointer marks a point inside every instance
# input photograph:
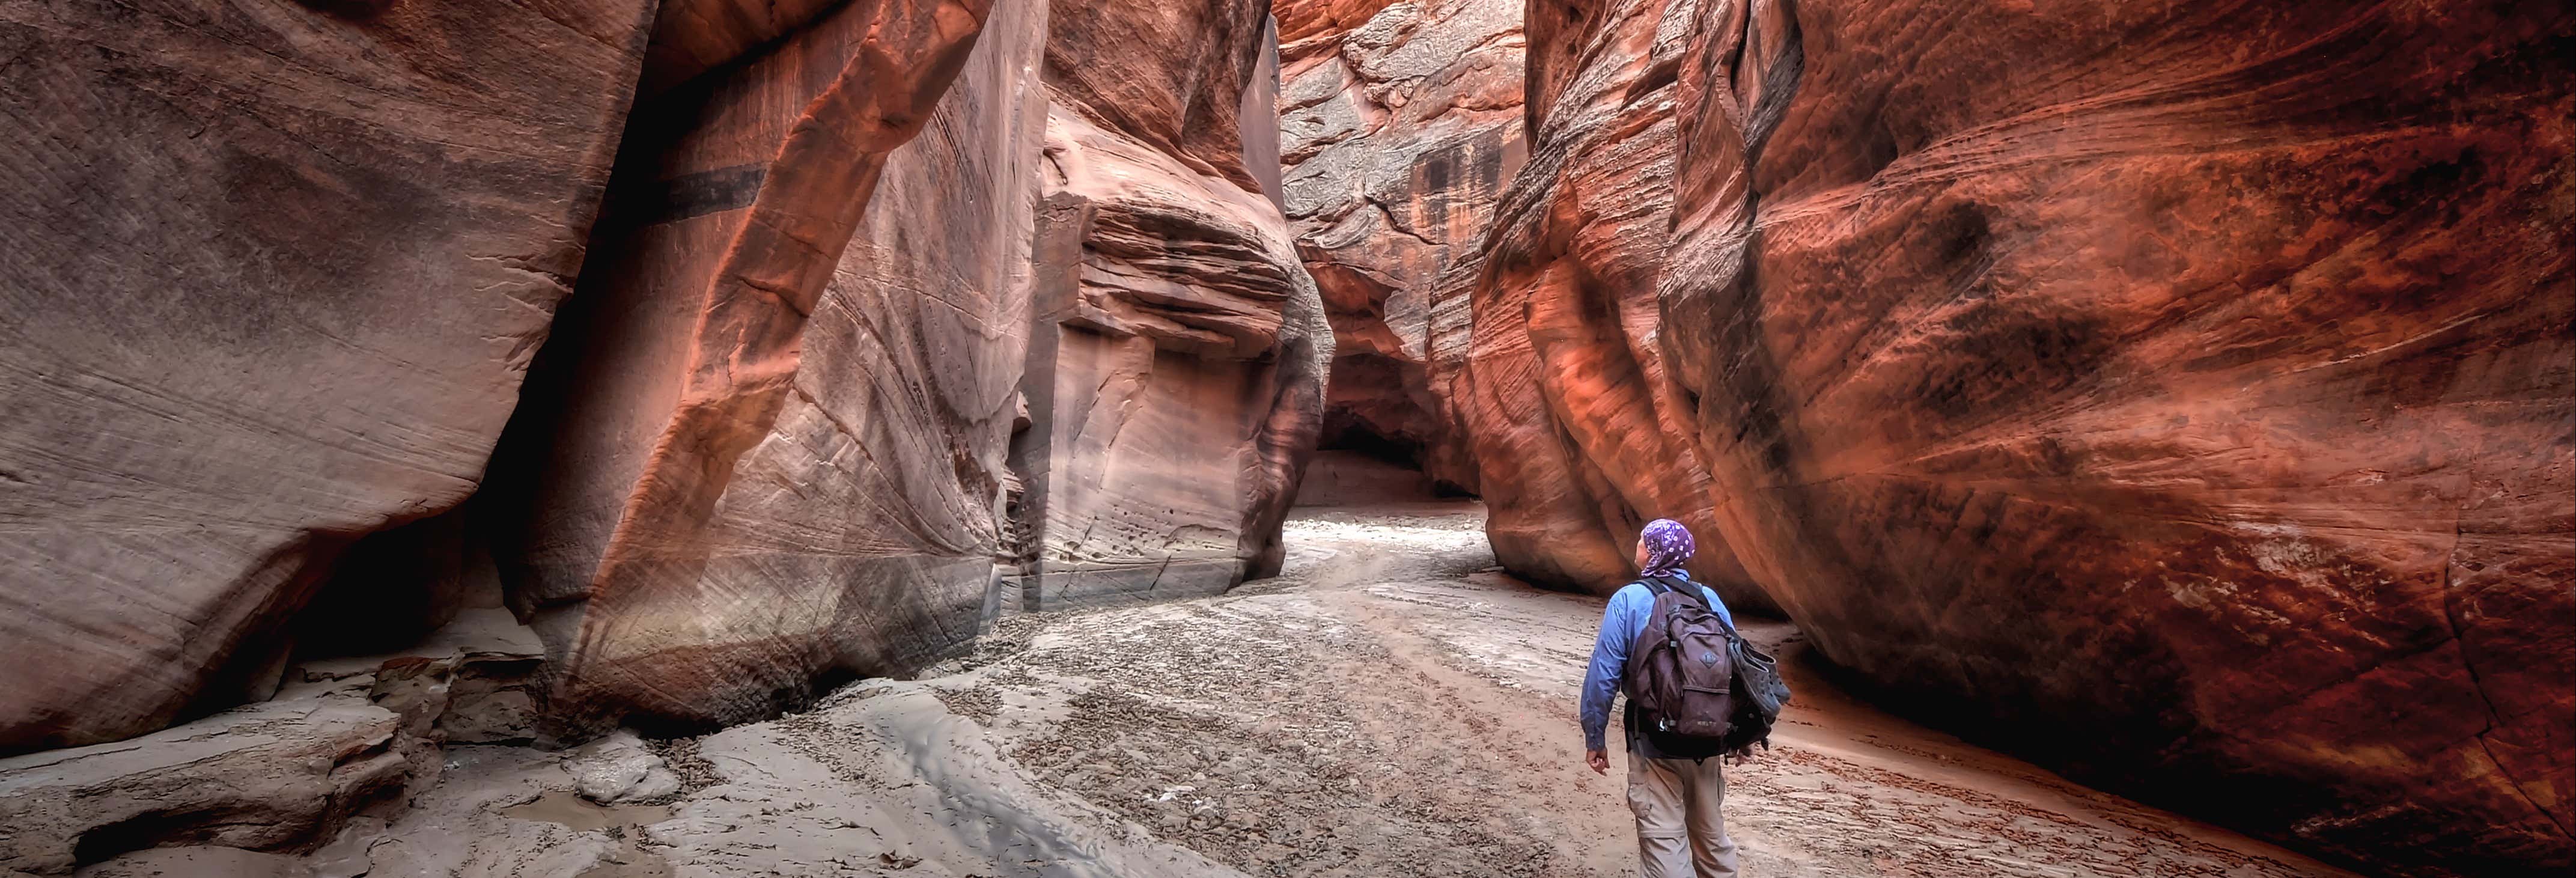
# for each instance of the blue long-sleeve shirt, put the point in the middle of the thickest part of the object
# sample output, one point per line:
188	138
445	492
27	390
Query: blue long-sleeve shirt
1621	623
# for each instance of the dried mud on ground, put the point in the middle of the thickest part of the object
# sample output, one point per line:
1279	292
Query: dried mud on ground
1392	706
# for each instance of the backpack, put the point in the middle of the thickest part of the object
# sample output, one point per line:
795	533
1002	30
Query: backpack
1691	677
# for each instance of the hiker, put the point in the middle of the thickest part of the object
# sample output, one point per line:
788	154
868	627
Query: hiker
1674	785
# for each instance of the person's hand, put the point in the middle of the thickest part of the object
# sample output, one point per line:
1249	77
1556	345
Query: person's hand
1740	757
1599	760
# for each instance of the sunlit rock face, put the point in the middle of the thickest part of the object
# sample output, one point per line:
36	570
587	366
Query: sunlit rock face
1177	357
274	274
2178	394
1399	123
767	447
1554	370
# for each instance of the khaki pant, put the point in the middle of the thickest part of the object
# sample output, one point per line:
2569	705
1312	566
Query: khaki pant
1676	803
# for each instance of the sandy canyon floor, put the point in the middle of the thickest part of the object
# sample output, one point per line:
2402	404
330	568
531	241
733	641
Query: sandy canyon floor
1392	705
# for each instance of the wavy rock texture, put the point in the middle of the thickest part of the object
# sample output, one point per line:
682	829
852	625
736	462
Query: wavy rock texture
2183	389
767	448
276	776
1169	76
1400	125
1177	361
347	737
276	272
1557	376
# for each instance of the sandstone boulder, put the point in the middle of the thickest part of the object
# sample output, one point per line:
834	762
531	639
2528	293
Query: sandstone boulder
475	680
1400	124
279	775
618	768
276	271
2182	389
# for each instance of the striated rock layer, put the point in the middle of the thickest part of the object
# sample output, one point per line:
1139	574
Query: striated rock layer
256	374
1400	124
767	446
1557	375
775	444
348	738
1178	351
276	776
275	273
2182	388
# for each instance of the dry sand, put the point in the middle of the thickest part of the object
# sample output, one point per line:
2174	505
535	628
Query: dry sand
1393	705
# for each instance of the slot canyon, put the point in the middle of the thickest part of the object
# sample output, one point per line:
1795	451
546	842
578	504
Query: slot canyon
632	439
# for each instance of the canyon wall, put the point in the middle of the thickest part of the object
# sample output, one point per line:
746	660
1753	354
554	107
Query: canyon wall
892	424
2177	394
1400	124
1557	376
1177	358
763	446
275	274
769	441
1882	393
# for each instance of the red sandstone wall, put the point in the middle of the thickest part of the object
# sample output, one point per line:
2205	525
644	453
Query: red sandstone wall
1556	374
1400	125
2183	390
767	443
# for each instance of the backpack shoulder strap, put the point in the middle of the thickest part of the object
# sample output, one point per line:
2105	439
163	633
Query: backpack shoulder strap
1702	597
1661	584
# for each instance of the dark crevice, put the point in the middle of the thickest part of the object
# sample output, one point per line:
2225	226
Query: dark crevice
393	587
1347	435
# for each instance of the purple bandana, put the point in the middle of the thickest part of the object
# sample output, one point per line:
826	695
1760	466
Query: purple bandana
1668	547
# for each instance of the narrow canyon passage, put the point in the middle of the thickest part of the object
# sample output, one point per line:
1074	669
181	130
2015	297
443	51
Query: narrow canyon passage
647	438
1392	704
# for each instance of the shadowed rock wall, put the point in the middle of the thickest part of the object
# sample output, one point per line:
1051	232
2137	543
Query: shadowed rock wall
766	447
275	272
2185	386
